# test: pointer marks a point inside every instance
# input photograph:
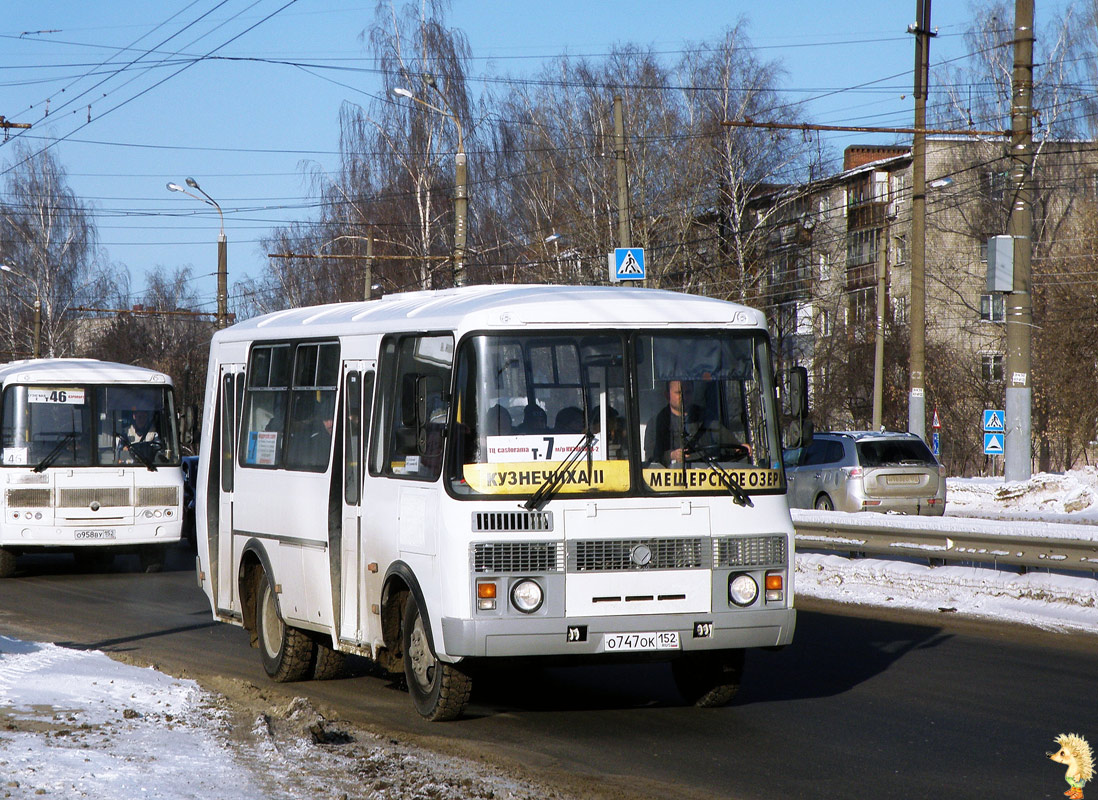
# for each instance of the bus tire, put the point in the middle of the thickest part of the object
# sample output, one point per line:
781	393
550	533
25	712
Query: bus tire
287	652
439	690
7	563
330	664
152	557
709	680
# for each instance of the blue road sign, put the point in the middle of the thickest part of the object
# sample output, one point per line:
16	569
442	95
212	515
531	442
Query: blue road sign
994	419
993	444
628	264
936	443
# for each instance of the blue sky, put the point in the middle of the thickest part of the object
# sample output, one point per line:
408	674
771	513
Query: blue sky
244	130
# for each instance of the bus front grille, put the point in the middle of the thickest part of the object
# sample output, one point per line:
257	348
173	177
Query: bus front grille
606	555
28	498
518	557
157	495
519	521
749	551
108	497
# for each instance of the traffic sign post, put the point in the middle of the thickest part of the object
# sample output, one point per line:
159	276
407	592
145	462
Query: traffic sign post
994	420
627	264
994	444
994	432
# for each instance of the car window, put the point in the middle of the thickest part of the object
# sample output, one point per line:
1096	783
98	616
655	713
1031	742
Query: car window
895	452
821	451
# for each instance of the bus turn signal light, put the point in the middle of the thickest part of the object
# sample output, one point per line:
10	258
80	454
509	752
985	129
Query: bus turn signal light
486	595
774	587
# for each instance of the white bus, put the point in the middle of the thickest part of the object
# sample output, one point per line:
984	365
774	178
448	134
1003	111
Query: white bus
441	480
90	461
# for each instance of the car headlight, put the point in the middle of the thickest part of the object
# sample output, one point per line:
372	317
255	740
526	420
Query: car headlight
742	589
526	596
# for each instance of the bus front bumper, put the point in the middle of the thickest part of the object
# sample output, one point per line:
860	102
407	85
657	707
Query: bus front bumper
593	636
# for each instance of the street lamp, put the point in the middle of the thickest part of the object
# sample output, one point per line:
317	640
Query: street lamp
37	307
222	249
461	181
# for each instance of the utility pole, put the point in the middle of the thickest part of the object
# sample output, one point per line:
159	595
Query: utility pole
369	267
1017	465
222	280
916	395
879	343
623	179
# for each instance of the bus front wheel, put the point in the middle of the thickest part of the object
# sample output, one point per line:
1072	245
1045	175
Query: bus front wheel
439	690
709	680
286	651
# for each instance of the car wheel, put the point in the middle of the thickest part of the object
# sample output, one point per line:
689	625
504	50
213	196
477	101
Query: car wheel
440	691
709	680
287	652
823	503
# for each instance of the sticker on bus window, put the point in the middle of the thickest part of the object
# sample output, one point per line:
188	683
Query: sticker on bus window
525	477
262	448
73	396
15	456
541	447
708	480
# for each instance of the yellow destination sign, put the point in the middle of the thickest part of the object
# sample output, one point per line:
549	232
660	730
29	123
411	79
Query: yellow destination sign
525	477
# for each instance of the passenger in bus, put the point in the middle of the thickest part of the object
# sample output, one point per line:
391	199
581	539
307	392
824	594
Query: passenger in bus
141	435
569	420
498	421
534	420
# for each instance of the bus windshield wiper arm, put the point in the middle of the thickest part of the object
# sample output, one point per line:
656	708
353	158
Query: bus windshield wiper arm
55	452
126	445
555	480
734	488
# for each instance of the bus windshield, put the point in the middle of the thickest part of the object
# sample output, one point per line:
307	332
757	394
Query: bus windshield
84	426
563	408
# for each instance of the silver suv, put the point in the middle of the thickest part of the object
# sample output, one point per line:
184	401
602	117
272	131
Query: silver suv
866	471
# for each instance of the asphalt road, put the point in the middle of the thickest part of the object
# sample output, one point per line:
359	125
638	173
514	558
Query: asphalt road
862	704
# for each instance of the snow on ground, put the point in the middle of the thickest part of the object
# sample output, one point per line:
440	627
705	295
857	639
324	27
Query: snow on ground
1047	504
77	724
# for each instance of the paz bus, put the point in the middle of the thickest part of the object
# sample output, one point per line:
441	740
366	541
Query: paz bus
447	480
90	461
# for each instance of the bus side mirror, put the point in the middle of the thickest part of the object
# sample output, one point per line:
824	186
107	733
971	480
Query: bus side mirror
189	425
799	430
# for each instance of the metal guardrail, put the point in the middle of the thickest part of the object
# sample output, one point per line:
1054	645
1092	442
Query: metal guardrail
1058	546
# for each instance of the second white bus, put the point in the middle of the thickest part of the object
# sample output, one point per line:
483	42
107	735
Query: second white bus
438	480
90	461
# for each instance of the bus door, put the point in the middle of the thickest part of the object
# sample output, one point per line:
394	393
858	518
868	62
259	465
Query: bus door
350	575
230	398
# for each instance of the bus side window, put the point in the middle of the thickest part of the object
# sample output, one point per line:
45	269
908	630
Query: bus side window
414	406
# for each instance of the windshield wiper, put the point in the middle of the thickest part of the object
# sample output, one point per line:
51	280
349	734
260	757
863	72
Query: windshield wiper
55	452
729	480
555	480
128	445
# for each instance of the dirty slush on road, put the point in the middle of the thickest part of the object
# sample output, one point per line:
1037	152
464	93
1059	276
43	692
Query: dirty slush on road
79	724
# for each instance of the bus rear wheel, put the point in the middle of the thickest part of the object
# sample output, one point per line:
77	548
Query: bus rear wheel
440	691
287	652
709	680
7	563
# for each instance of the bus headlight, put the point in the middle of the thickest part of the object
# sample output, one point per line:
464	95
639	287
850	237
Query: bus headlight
742	589
526	596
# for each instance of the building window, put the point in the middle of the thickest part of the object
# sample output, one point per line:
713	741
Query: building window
901	249
825	265
825	322
863	305
899	310
991	367
861	247
995	184
992	307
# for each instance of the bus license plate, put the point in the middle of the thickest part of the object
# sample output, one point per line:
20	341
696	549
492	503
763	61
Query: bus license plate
625	642
96	533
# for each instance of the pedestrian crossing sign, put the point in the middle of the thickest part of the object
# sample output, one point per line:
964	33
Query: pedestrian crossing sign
994	419
627	264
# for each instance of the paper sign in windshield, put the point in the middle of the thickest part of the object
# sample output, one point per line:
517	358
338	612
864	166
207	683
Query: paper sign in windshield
262	448
526	478
708	480
542	447
69	396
